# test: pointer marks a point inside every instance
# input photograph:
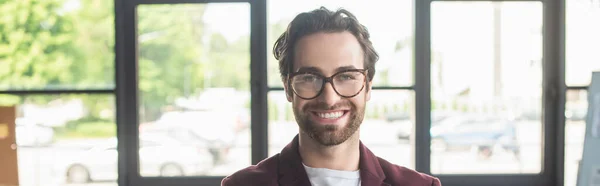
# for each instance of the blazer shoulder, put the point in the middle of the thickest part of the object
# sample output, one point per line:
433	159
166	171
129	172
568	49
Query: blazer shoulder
399	175
263	173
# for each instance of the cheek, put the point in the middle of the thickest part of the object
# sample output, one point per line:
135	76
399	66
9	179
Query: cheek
298	103
360	99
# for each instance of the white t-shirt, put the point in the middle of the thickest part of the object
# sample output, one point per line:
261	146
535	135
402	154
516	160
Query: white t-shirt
329	177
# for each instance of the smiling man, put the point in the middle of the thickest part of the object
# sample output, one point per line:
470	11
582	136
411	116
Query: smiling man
327	64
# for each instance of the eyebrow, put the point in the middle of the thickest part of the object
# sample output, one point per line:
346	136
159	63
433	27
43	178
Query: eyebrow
315	69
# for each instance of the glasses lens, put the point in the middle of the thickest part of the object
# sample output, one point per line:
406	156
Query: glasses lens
349	83
306	85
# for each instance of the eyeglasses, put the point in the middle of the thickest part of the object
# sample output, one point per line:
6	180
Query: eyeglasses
309	85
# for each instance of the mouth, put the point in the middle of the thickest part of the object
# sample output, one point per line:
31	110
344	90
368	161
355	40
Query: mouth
329	116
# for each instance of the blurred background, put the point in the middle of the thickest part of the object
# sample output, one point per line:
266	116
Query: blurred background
194	93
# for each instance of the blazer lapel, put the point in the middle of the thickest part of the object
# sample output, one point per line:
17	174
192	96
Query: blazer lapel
370	169
291	171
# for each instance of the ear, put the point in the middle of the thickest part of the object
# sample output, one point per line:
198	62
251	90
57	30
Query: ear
288	92
368	92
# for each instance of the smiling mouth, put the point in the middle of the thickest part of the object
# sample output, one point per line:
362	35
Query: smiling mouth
331	115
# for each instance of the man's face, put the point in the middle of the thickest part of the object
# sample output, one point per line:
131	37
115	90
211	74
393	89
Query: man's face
329	118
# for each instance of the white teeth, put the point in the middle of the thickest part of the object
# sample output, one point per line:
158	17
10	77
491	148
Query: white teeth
331	115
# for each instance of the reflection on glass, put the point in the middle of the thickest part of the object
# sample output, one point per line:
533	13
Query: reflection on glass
486	87
57	45
575	114
59	138
194	74
393	40
582	41
386	130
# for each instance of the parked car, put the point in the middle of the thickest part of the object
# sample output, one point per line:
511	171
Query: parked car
158	156
483	132
406	130
397	116
215	130
28	133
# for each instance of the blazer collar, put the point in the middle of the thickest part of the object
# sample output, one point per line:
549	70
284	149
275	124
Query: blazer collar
292	172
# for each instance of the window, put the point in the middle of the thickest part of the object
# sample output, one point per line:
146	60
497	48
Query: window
50	50
486	61
64	139
194	88
192	65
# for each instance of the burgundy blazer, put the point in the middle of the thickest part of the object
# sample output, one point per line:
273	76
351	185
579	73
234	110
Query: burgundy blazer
286	169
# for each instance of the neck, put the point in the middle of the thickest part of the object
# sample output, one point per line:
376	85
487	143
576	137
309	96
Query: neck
345	156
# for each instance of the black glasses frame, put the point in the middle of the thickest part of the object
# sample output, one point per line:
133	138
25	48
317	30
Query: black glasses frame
325	81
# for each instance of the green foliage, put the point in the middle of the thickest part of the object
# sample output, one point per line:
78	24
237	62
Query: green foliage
9	100
178	57
34	42
45	44
53	44
168	49
97	129
88	127
57	44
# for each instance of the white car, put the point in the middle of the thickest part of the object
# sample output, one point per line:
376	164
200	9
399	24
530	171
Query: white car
215	130
28	133
159	156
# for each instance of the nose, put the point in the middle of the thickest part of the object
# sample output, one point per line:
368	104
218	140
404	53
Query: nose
328	96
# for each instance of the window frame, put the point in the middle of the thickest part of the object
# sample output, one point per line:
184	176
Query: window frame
553	99
554	92
127	93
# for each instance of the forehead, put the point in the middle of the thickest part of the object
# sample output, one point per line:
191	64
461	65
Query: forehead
328	51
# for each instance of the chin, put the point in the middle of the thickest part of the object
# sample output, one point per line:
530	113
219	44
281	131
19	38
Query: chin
331	138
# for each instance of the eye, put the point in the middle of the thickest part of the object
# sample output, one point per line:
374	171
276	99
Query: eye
307	78
346	77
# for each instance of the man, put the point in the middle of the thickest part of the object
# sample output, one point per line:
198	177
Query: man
327	64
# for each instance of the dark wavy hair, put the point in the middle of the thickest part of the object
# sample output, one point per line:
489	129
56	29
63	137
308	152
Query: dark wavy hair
322	20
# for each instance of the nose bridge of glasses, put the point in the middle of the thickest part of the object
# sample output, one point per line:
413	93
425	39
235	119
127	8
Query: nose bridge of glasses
329	81
328	93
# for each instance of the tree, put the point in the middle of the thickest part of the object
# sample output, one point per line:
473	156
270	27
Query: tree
170	42
95	59
52	44
57	44
36	38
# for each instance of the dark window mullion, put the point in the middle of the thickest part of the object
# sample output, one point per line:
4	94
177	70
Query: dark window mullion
258	64
422	87
46	92
139	2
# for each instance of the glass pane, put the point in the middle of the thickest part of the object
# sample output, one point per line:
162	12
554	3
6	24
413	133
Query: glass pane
486	87
582	41
61	44
387	129
194	77
393	40
65	139
575	113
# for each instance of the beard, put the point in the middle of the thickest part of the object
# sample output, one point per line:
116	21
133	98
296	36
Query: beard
329	135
